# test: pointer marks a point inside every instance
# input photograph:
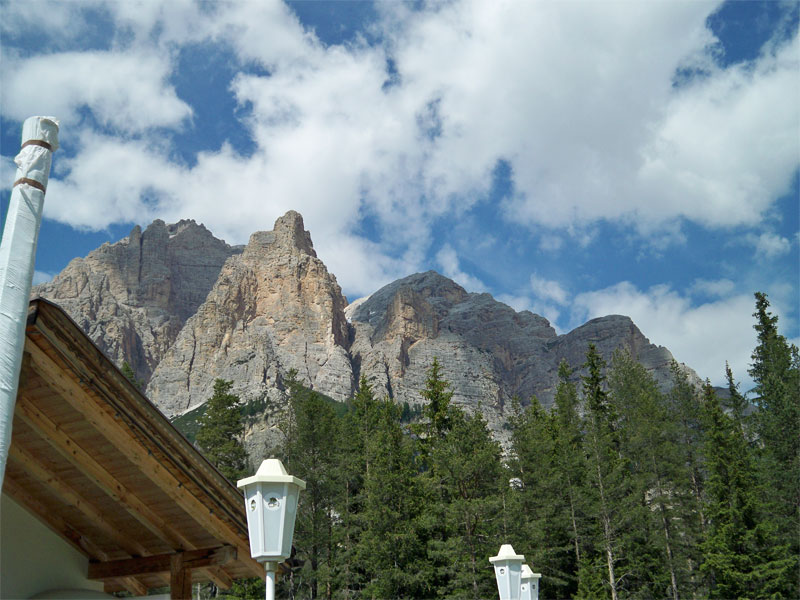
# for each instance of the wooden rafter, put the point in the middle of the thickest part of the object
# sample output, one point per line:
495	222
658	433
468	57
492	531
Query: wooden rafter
95	461
161	563
118	435
66	531
71	497
72	452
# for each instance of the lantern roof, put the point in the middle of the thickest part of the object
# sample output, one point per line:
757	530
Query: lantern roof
506	553
271	471
528	574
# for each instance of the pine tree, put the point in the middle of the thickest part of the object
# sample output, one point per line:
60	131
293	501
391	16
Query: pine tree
776	373
310	453
130	375
607	472
466	466
438	394
740	556
390	549
660	482
220	432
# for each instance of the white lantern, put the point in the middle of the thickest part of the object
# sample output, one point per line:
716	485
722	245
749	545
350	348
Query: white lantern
270	498
529	587
508	571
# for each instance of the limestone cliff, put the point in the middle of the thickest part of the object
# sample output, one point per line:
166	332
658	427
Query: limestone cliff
185	308
489	352
273	308
133	297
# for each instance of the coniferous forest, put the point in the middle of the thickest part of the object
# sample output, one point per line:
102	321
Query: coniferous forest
617	491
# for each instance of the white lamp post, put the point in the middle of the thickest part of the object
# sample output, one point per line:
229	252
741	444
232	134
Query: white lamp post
270	499
508	572
529	588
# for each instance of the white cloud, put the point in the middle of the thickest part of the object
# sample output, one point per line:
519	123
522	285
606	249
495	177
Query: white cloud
716	288
769	245
8	170
578	98
551	243
125	90
42	277
727	146
448	261
518	303
549	290
57	22
703	336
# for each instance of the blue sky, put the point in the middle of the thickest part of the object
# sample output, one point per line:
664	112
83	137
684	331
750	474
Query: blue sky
574	159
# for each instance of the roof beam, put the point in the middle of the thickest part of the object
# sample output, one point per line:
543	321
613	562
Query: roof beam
72	452
77	456
149	465
161	563
72	498
66	531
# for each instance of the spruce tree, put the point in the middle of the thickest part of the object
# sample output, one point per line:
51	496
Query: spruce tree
438	394
607	471
467	468
776	373
542	504
130	375
736	403
390	549
684	403
740	555
570	465
354	453
659	482
220	432
310	454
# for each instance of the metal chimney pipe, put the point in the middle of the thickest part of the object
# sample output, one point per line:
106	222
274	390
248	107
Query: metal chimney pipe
17	257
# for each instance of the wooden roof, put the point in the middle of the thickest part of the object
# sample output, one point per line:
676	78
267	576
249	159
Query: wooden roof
99	464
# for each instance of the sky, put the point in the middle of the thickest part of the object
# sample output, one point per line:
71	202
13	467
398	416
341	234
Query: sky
575	159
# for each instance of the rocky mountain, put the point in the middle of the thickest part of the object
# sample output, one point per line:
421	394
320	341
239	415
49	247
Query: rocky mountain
133	297
185	308
273	308
489	352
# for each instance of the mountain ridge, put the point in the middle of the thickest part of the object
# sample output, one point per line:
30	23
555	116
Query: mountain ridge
184	308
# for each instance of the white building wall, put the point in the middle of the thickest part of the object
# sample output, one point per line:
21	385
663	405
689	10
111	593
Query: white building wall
33	559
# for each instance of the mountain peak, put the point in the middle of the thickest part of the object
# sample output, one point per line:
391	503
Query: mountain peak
288	233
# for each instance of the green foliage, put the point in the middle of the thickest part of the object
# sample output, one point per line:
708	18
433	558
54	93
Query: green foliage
131	376
311	431
776	372
620	490
467	480
740	556
220	431
189	422
390	549
656	554
438	394
546	514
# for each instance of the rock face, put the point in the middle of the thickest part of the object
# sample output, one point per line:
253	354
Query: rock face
184	308
273	308
489	352
133	297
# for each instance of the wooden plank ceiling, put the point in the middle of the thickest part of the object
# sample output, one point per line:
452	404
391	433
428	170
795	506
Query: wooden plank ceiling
95	461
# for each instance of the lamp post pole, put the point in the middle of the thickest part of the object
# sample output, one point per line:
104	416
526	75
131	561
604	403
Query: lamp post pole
270	579
270	500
